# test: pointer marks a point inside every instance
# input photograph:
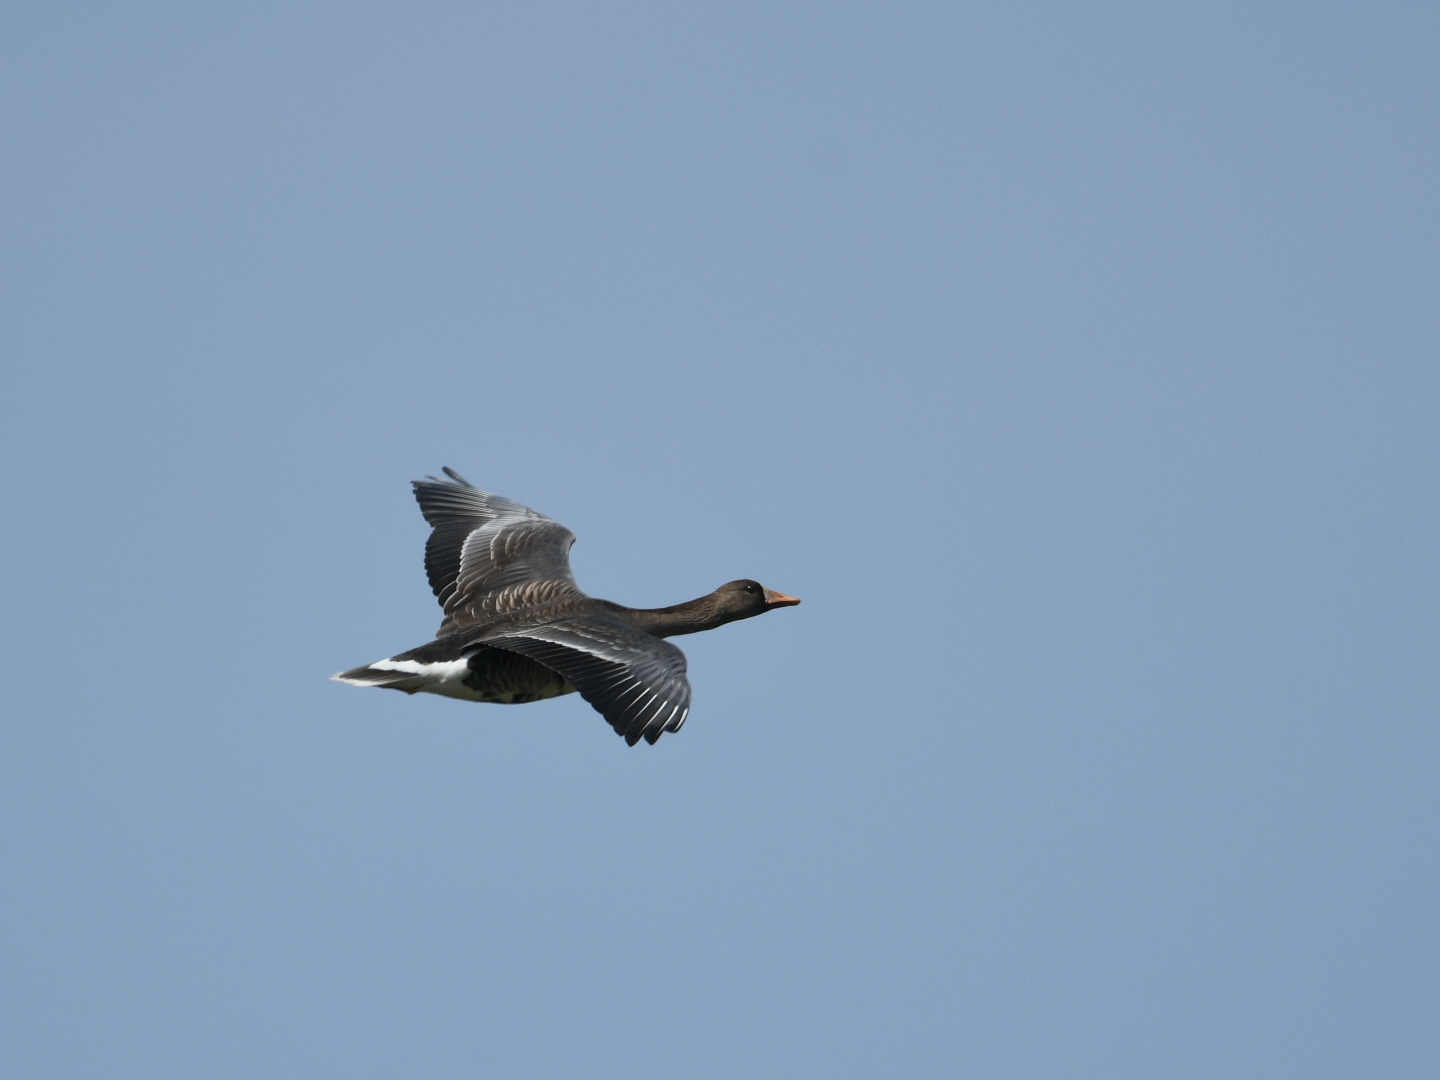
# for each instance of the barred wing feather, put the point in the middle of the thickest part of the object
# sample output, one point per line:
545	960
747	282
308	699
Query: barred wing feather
488	555
634	680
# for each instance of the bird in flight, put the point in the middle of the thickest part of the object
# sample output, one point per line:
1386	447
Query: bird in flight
517	628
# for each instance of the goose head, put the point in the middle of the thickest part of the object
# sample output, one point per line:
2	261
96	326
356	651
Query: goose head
745	599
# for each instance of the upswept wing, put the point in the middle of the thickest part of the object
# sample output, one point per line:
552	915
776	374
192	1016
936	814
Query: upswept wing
487	555
634	680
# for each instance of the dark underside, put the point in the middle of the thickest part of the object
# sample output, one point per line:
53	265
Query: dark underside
506	677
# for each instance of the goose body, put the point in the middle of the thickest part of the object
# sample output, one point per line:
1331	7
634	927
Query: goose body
517	628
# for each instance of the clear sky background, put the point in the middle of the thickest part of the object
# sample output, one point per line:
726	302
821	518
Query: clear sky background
1076	364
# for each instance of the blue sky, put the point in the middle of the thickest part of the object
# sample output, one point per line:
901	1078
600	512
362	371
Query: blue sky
1076	364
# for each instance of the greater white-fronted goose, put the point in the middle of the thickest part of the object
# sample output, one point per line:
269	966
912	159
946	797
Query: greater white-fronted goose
517	628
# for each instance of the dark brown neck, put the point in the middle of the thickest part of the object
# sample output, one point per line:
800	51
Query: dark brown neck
688	618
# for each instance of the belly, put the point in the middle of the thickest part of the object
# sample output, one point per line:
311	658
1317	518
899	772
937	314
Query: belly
509	679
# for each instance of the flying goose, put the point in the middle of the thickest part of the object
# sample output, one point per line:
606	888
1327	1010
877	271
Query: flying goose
517	628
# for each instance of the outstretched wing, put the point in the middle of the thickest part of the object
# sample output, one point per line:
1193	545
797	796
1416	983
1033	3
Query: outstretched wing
487	555
634	680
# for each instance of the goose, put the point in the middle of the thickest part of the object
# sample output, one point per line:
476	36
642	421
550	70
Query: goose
517	628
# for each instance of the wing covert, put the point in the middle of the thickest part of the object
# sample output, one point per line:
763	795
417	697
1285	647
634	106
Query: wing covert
508	564
487	555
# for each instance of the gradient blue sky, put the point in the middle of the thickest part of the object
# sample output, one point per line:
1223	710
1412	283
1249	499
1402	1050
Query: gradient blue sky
1076	363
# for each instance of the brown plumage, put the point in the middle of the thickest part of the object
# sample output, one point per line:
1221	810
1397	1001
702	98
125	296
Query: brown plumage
517	628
